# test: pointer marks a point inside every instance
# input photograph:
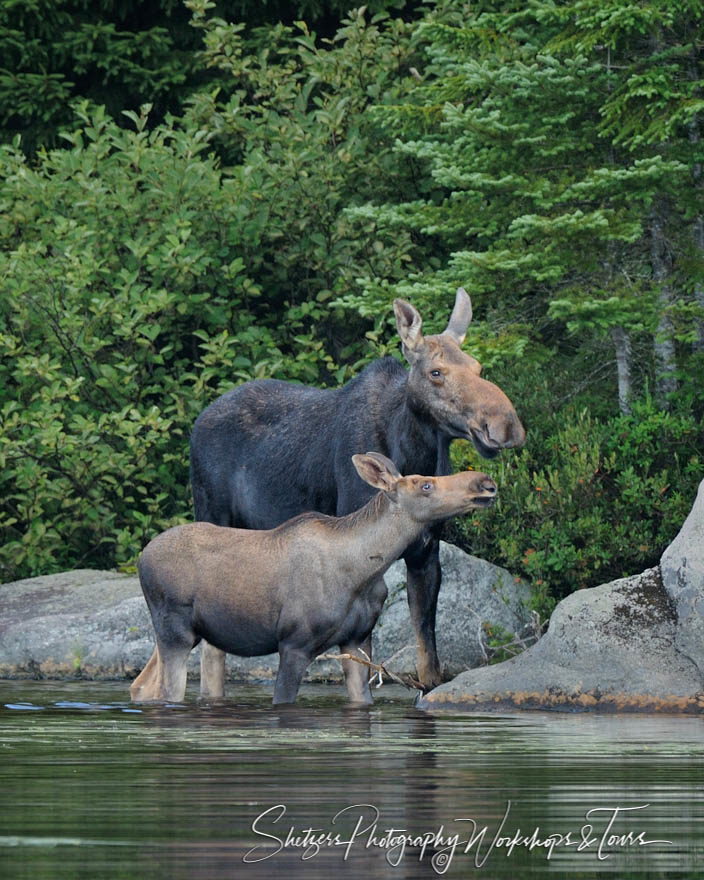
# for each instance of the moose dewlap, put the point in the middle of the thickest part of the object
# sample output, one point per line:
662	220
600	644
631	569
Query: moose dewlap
298	589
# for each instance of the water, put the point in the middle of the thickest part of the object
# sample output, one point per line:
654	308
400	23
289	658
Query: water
95	787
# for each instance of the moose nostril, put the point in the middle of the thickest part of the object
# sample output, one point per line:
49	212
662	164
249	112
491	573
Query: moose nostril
488	439
489	486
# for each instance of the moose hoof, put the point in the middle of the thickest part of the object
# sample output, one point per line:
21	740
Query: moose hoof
430	680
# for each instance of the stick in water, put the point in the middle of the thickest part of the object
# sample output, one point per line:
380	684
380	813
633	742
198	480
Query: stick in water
406	680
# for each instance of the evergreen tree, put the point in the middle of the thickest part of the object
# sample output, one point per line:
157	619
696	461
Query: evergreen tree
531	199
652	55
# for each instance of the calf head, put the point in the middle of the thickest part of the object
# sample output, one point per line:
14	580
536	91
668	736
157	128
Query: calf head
426	499
445	385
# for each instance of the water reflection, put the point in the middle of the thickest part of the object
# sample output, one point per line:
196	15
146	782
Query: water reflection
95	787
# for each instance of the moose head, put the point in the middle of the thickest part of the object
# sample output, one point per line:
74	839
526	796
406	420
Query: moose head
445	383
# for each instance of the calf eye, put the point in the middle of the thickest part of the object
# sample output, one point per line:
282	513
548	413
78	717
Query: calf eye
426	487
436	374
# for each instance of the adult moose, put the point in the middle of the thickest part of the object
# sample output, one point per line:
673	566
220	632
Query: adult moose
268	450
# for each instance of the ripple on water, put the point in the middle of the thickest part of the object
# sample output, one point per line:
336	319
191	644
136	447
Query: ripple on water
100	788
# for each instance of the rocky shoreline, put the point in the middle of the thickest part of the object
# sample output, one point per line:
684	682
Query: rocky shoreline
96	625
636	644
633	645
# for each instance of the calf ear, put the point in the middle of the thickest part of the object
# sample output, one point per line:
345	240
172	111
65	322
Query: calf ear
408	324
377	470
461	316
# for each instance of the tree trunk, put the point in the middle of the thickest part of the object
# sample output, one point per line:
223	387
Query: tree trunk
698	344
622	344
664	344
698	226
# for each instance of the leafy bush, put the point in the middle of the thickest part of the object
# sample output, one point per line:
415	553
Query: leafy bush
140	280
116	53
124	309
291	121
120	54
587	501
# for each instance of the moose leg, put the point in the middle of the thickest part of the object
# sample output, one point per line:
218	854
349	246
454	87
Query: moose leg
173	673
164	676
423	584
212	671
212	660
357	674
144	686
293	663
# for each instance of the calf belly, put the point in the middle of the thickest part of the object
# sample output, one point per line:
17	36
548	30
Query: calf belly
360	619
235	632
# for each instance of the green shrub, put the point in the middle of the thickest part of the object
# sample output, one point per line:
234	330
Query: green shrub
140	279
587	501
124	309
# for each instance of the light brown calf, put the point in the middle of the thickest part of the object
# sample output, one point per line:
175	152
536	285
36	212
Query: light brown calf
298	589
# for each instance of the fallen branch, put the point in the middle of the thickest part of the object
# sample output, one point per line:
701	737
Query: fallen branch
406	680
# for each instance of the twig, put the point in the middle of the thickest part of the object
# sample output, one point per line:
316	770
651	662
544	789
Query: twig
480	634
518	643
406	680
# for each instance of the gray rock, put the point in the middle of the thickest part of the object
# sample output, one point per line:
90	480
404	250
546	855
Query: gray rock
633	644
95	624
682	566
81	623
473	592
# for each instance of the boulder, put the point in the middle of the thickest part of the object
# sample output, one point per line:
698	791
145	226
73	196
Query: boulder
634	644
473	592
78	623
96	624
682	567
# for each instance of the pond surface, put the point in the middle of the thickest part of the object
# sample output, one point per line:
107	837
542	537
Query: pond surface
95	787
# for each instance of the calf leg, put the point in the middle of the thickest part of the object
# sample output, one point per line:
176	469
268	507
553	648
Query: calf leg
144	686
212	660
423	583
173	672
293	663
212	671
164	676
357	674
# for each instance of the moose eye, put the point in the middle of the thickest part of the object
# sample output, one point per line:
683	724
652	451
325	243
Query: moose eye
427	487
436	374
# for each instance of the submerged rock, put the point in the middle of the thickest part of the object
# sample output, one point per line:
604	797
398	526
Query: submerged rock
95	624
634	644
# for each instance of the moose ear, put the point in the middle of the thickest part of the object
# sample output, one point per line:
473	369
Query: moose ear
408	324
460	318
377	470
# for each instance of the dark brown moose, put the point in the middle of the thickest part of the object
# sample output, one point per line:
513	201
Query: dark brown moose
269	450
311	583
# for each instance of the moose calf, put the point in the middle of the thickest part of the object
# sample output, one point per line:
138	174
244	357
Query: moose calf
298	589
